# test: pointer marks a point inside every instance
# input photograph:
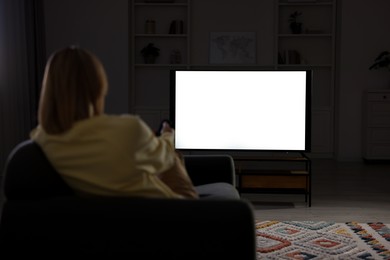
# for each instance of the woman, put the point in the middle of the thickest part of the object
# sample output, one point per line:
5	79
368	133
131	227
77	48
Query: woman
95	153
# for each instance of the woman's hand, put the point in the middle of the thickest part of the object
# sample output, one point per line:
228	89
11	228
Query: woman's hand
166	128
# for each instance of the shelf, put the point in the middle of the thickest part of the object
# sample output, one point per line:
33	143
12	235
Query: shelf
305	65
306	4
162	4
297	66
206	66
155	35
255	66
270	158
272	191
263	172
272	177
305	35
161	65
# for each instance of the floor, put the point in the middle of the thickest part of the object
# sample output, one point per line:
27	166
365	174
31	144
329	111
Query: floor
341	192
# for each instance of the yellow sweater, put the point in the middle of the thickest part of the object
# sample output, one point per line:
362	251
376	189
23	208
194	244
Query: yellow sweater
110	156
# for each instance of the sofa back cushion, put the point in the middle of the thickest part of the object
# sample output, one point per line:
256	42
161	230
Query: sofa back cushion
29	175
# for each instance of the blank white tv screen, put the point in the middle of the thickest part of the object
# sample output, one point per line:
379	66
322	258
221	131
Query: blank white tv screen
241	110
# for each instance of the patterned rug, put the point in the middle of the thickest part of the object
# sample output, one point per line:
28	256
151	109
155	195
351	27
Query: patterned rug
322	240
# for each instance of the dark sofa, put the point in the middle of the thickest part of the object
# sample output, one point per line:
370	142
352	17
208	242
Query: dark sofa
41	217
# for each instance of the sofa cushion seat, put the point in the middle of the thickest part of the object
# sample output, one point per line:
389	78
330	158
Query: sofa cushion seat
217	190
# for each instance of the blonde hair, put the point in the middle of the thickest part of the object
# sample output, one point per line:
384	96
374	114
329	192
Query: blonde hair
73	82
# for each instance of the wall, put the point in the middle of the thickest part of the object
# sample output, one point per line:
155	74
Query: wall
100	26
232	16
365	32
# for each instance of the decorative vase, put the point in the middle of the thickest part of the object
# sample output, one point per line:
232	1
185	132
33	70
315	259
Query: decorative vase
150	59
296	28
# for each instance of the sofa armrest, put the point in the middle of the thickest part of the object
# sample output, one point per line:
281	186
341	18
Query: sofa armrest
205	169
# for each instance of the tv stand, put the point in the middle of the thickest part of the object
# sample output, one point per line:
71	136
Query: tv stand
281	173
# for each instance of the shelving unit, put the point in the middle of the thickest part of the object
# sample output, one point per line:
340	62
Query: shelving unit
315	49
149	83
376	125
275	174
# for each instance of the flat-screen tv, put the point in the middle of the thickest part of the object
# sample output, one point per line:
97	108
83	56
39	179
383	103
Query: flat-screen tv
241	110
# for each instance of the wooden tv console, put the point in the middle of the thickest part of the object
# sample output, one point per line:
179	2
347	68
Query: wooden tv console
286	174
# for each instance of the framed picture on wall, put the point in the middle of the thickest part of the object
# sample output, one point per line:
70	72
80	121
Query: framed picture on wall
232	48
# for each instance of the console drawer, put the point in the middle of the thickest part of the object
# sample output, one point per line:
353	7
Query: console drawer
274	182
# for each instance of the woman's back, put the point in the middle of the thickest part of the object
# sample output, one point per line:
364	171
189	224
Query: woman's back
110	156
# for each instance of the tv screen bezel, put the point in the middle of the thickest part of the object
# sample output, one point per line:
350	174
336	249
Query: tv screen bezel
308	99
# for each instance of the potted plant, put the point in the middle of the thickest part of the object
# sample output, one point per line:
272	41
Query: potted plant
295	24
150	53
382	61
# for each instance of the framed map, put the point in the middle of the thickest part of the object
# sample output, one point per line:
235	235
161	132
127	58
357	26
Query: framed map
232	47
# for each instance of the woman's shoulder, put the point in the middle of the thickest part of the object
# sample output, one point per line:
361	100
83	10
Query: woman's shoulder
111	118
126	121
123	119
127	125
99	126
